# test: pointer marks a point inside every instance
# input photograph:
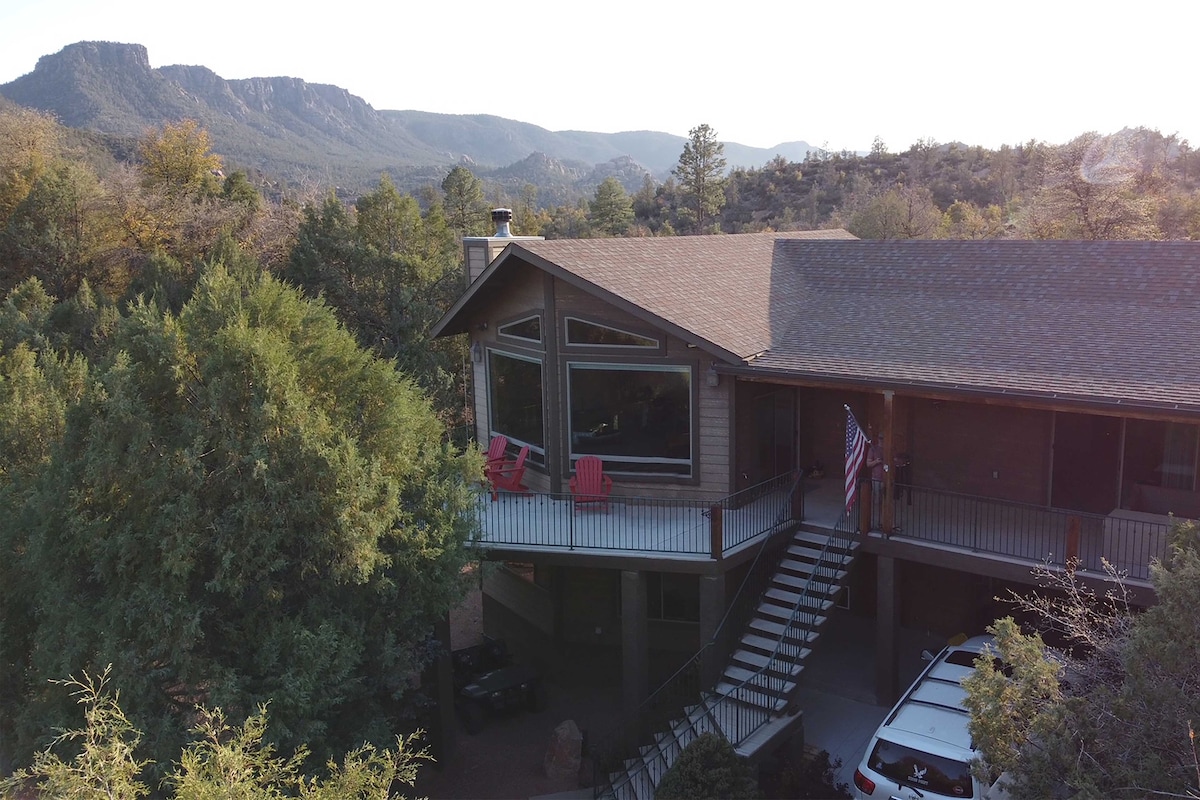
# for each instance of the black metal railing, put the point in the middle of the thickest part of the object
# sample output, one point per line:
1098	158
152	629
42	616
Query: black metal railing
756	509
684	688
546	519
777	678
687	526
1029	532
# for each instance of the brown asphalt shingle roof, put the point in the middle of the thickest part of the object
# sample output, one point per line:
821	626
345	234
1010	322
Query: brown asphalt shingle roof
1099	322
717	287
1109	322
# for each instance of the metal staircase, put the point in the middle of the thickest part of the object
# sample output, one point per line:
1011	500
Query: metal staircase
751	704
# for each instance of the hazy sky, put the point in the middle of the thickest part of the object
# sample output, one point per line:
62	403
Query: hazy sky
759	73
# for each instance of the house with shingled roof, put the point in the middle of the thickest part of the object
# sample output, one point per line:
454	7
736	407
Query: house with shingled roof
1037	403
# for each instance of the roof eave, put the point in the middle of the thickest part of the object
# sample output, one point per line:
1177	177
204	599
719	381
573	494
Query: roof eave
1124	406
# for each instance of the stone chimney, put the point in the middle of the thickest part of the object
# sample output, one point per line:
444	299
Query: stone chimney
480	251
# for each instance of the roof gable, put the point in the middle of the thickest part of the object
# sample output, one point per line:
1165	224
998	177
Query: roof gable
708	290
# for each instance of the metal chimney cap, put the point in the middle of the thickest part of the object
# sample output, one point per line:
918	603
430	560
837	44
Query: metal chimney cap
502	216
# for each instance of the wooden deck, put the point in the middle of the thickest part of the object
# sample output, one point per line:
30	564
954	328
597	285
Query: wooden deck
632	526
685	529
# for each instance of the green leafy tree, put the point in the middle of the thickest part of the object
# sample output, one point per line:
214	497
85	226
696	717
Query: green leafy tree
1113	715
611	210
466	211
244	506
708	768
965	220
29	145
899	213
177	158
701	174
568	222
527	218
1091	190
389	274
224	762
61	233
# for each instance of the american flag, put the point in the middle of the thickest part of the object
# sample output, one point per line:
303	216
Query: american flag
856	451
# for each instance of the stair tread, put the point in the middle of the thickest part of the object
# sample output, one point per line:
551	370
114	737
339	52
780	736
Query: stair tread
765	643
777	629
783	614
821	540
775	685
808	602
747	694
783	661
819	582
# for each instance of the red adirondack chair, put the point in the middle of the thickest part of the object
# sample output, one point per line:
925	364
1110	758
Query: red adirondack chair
496	448
589	485
507	475
495	455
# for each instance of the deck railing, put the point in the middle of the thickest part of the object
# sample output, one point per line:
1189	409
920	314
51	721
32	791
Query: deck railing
679	526
1029	532
760	508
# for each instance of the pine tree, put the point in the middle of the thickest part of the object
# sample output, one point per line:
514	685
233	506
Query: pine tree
701	174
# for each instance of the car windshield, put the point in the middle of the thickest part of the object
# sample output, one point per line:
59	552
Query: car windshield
924	771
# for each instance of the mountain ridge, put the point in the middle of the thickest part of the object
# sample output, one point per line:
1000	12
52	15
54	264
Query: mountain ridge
299	131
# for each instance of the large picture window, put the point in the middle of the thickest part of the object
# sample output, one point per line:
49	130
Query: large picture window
515	389
638	418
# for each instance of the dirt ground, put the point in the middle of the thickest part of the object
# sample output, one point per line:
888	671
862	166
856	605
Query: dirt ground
505	760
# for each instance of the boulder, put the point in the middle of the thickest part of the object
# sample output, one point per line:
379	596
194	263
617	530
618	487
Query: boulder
565	752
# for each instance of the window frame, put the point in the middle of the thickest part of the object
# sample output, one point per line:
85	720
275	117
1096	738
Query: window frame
537	452
612	462
523	341
658	348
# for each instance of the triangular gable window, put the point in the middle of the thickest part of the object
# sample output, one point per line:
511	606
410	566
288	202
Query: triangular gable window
529	329
580	332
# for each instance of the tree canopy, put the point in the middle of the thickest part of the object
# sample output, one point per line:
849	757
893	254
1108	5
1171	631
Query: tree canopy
1114	712
243	505
708	768
223	762
701	174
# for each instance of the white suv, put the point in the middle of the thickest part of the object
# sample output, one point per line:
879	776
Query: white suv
923	747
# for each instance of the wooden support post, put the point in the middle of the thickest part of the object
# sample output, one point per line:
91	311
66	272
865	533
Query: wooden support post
635	645
712	610
798	501
716	528
887	625
1072	542
887	508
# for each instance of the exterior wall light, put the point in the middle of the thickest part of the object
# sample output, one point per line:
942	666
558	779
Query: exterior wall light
476	353
712	378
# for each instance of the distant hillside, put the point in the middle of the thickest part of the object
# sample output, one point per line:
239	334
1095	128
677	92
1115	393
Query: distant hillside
303	132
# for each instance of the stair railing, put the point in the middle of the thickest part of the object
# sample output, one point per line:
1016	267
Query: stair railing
668	701
749	719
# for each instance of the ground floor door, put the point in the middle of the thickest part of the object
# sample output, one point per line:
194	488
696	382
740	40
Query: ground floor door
774	451
1087	459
